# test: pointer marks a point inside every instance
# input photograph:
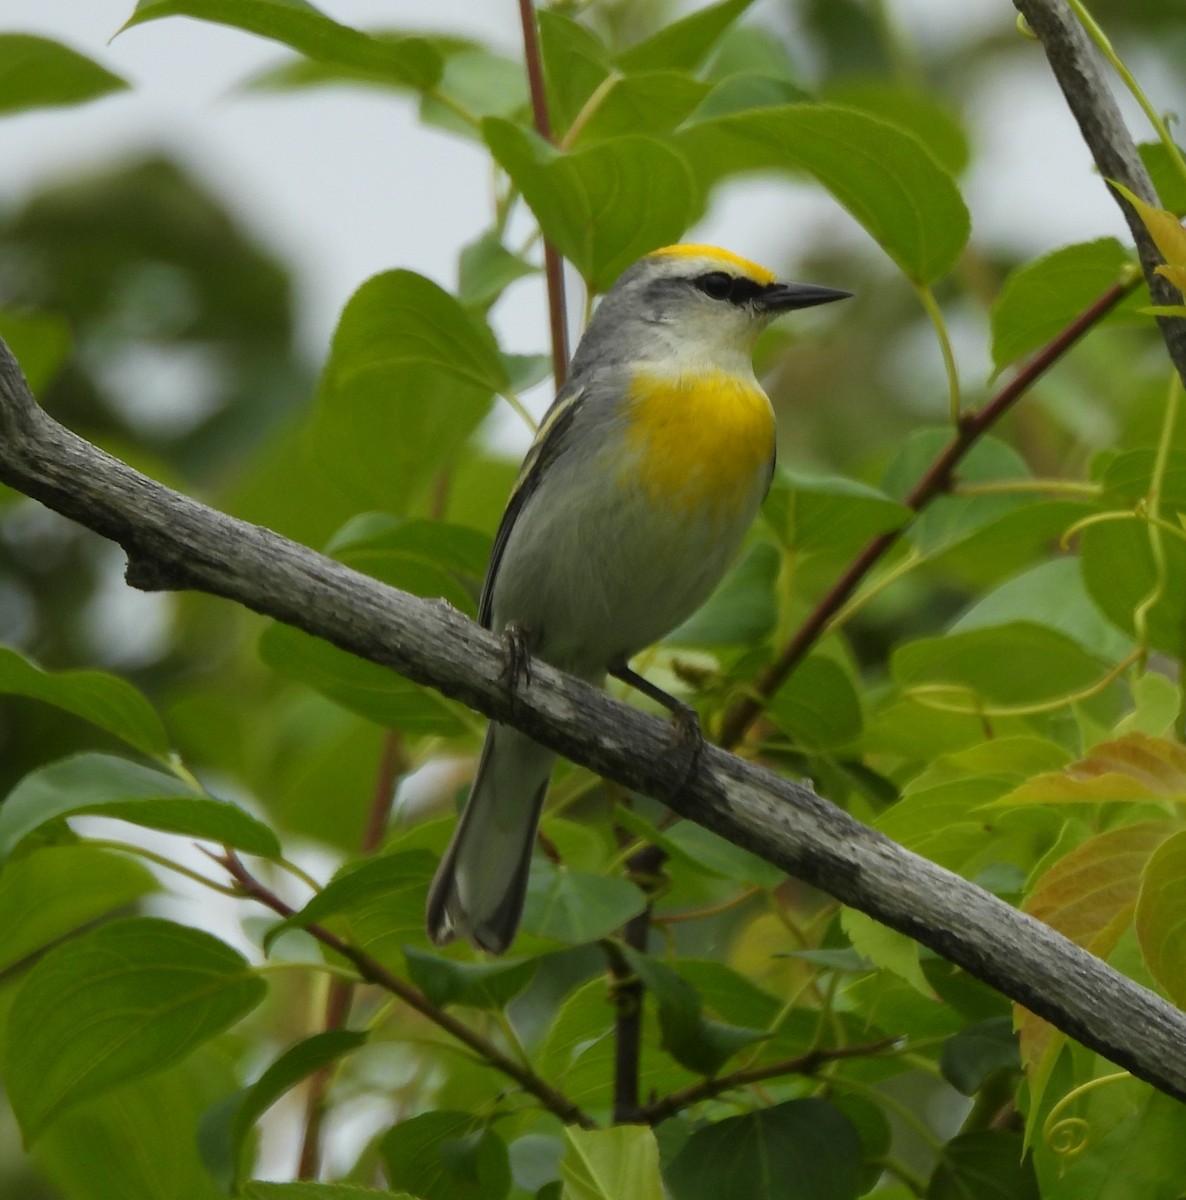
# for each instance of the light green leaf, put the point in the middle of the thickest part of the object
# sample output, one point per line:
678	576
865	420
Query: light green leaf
886	948
125	1000
411	374
1161	917
104	700
446	1155
487	268
828	514
883	176
653	104
800	1150
575	62
114	787
412	62
611	1164
1167	179
224	1129
40	342
55	890
478	83
38	73
573	907
711	853
602	207
683	45
1042	297
318	1191
1015	664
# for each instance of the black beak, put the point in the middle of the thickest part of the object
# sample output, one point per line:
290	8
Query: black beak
783	297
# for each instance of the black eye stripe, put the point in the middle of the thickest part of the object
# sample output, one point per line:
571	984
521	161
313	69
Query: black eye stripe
736	289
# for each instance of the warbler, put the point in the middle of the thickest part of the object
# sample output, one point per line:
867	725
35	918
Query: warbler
642	480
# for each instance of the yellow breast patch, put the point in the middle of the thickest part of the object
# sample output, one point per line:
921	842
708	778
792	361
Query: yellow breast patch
700	441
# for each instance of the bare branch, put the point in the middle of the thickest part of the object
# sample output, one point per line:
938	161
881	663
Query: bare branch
172	541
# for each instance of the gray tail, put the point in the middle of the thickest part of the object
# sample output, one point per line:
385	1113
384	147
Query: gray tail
479	887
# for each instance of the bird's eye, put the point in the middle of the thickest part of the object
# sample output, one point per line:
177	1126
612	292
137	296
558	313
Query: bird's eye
716	284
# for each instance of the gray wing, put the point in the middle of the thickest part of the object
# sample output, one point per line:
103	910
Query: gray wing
550	440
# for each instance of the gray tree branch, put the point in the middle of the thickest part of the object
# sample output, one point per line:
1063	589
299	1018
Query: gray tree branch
1081	74
173	542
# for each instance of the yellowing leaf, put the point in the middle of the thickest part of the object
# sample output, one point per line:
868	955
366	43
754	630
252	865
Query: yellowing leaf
1130	769
1161	917
1167	233
1089	896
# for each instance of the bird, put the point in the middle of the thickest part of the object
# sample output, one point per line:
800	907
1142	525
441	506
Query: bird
635	496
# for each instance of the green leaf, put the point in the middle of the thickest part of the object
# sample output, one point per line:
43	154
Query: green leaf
977	1052
97	784
487	268
684	45
818	707
693	1040
986	1164
225	1127
1042	297
1167	179
711	853
411	62
138	1140
575	62
365	688
50	892
800	1150
487	985
886	948
1161	917
653	104
828	514
38	73
573	907
410	376
1053	595
602	207
479	83
1015	664
104	700
742	609
318	1191
381	900
923	114
621	1163
883	176
446	1156
40	342
125	1000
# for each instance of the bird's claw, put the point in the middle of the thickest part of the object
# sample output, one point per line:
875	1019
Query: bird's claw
516	667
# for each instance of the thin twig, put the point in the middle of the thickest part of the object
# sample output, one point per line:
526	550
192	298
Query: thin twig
939	478
553	263
803	1064
375	972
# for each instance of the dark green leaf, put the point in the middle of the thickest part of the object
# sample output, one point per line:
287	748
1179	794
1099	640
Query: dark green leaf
986	1164
104	700
412	62
573	907
125	1000
38	73
381	900
1042	297
818	707
1019	663
114	787
602	207
489	985
410	375
742	610
692	1039
224	1129
318	1191
978	1051
446	1156
684	45
884	177
800	1150
53	891
366	688
39	342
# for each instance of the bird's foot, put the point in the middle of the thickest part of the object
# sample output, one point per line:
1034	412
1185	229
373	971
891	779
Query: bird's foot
516	667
